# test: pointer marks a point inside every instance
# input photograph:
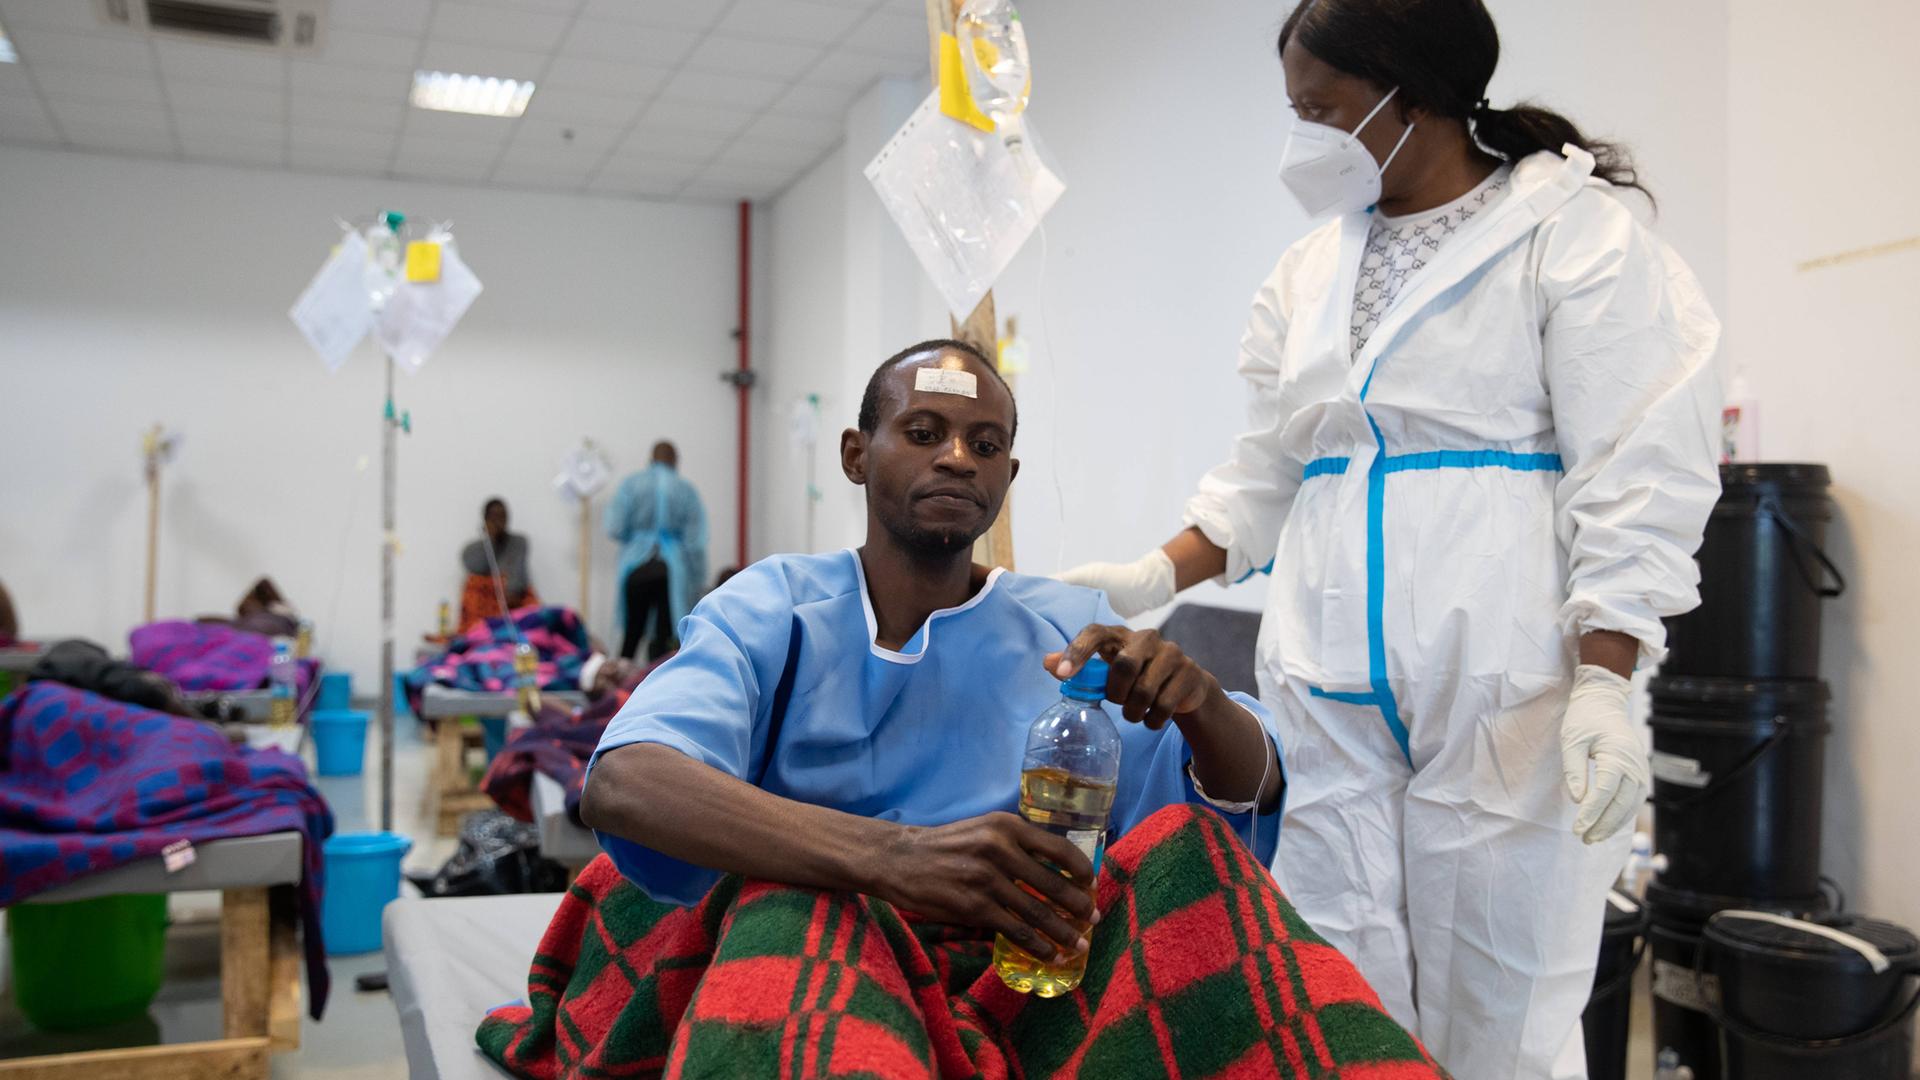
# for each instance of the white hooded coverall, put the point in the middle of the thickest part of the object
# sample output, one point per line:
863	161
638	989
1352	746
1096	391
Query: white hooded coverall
1524	450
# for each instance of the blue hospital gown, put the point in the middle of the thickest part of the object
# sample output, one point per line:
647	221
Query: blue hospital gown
931	734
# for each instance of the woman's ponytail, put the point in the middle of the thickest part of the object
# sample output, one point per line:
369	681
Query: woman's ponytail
1527	128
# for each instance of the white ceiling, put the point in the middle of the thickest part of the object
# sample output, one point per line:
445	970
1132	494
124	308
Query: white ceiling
682	99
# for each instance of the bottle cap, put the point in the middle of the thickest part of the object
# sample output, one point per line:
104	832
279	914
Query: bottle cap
1089	683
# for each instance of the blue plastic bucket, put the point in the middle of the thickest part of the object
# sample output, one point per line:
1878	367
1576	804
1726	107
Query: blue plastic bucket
339	741
336	691
363	875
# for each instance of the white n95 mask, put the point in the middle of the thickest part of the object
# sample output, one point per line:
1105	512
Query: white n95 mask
1329	170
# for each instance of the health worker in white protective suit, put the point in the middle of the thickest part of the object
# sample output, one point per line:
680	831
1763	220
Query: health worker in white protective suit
1482	452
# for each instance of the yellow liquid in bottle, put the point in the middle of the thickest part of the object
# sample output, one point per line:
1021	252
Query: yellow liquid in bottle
1076	809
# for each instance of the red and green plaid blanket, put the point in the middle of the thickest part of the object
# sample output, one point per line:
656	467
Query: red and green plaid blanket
1199	969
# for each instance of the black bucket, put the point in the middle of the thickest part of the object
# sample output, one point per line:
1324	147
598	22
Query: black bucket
1796	1002
1685	1033
1737	769
1610	1007
1763	572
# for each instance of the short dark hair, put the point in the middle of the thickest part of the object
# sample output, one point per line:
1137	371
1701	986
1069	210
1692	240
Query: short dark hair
487	507
870	401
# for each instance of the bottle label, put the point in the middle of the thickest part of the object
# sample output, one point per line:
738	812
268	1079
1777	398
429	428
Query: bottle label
1089	843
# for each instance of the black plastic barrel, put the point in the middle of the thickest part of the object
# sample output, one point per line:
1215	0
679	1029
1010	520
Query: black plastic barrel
1685	1032
1737	768
1797	1003
1763	571
1610	1007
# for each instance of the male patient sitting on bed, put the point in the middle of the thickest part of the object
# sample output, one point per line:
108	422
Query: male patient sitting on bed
827	773
915	674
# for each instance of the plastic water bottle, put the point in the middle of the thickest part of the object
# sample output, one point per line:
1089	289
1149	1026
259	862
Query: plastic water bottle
993	46
281	680
1066	787
526	677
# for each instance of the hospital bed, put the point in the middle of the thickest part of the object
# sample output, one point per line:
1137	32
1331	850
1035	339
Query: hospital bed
448	962
260	963
561	840
453	787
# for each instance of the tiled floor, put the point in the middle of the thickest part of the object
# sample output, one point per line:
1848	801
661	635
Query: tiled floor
359	1038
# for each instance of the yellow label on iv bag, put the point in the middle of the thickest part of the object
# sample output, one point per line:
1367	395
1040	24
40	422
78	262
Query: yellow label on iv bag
423	261
955	99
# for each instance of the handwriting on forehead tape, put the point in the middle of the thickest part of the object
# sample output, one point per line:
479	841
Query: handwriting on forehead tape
946	381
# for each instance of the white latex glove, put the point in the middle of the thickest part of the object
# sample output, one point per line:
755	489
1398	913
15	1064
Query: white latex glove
1598	728
1141	585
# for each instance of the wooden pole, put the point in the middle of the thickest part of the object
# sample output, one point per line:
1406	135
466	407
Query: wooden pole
981	329
586	555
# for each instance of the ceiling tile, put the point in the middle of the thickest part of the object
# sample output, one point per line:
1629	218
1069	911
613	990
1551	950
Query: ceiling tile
814	101
582	73
43	48
22	126
393	16
685	116
206	128
584	148
332	80
564	7
458	171
766	59
680	14
87	85
724	91
368	49
791	20
685	147
891	33
52	14
531	172
120	139
328	161
353	113
311	141
769	156
504	27
261	102
195	62
806	130
658	172
635	187
143	117
416	152
580	107
489	130
857	71
481	60
233	151
606	39
745	176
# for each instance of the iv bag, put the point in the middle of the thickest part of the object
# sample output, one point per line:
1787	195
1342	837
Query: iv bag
994	46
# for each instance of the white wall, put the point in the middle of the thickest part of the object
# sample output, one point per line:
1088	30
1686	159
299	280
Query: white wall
140	291
1822	162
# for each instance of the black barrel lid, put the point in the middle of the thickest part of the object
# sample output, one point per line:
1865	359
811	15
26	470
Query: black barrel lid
1776	474
1667	904
1836	941
1724	691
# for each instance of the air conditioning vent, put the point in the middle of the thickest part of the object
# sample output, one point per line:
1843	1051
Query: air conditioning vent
218	20
289	25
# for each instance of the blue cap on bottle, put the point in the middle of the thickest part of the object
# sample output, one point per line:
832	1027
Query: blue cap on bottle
1089	683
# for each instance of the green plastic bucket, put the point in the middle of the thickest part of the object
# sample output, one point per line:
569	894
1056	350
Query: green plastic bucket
87	963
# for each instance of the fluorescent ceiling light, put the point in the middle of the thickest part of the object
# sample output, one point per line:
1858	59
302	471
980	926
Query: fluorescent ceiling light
7	54
481	95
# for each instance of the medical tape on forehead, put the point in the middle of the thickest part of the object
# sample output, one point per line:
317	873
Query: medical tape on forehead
947	381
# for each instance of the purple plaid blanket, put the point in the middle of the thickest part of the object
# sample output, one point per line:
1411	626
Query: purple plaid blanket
88	784
482	658
209	656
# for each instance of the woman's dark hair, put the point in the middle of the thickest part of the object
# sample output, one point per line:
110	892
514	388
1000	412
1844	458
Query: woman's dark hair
487	507
1441	54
